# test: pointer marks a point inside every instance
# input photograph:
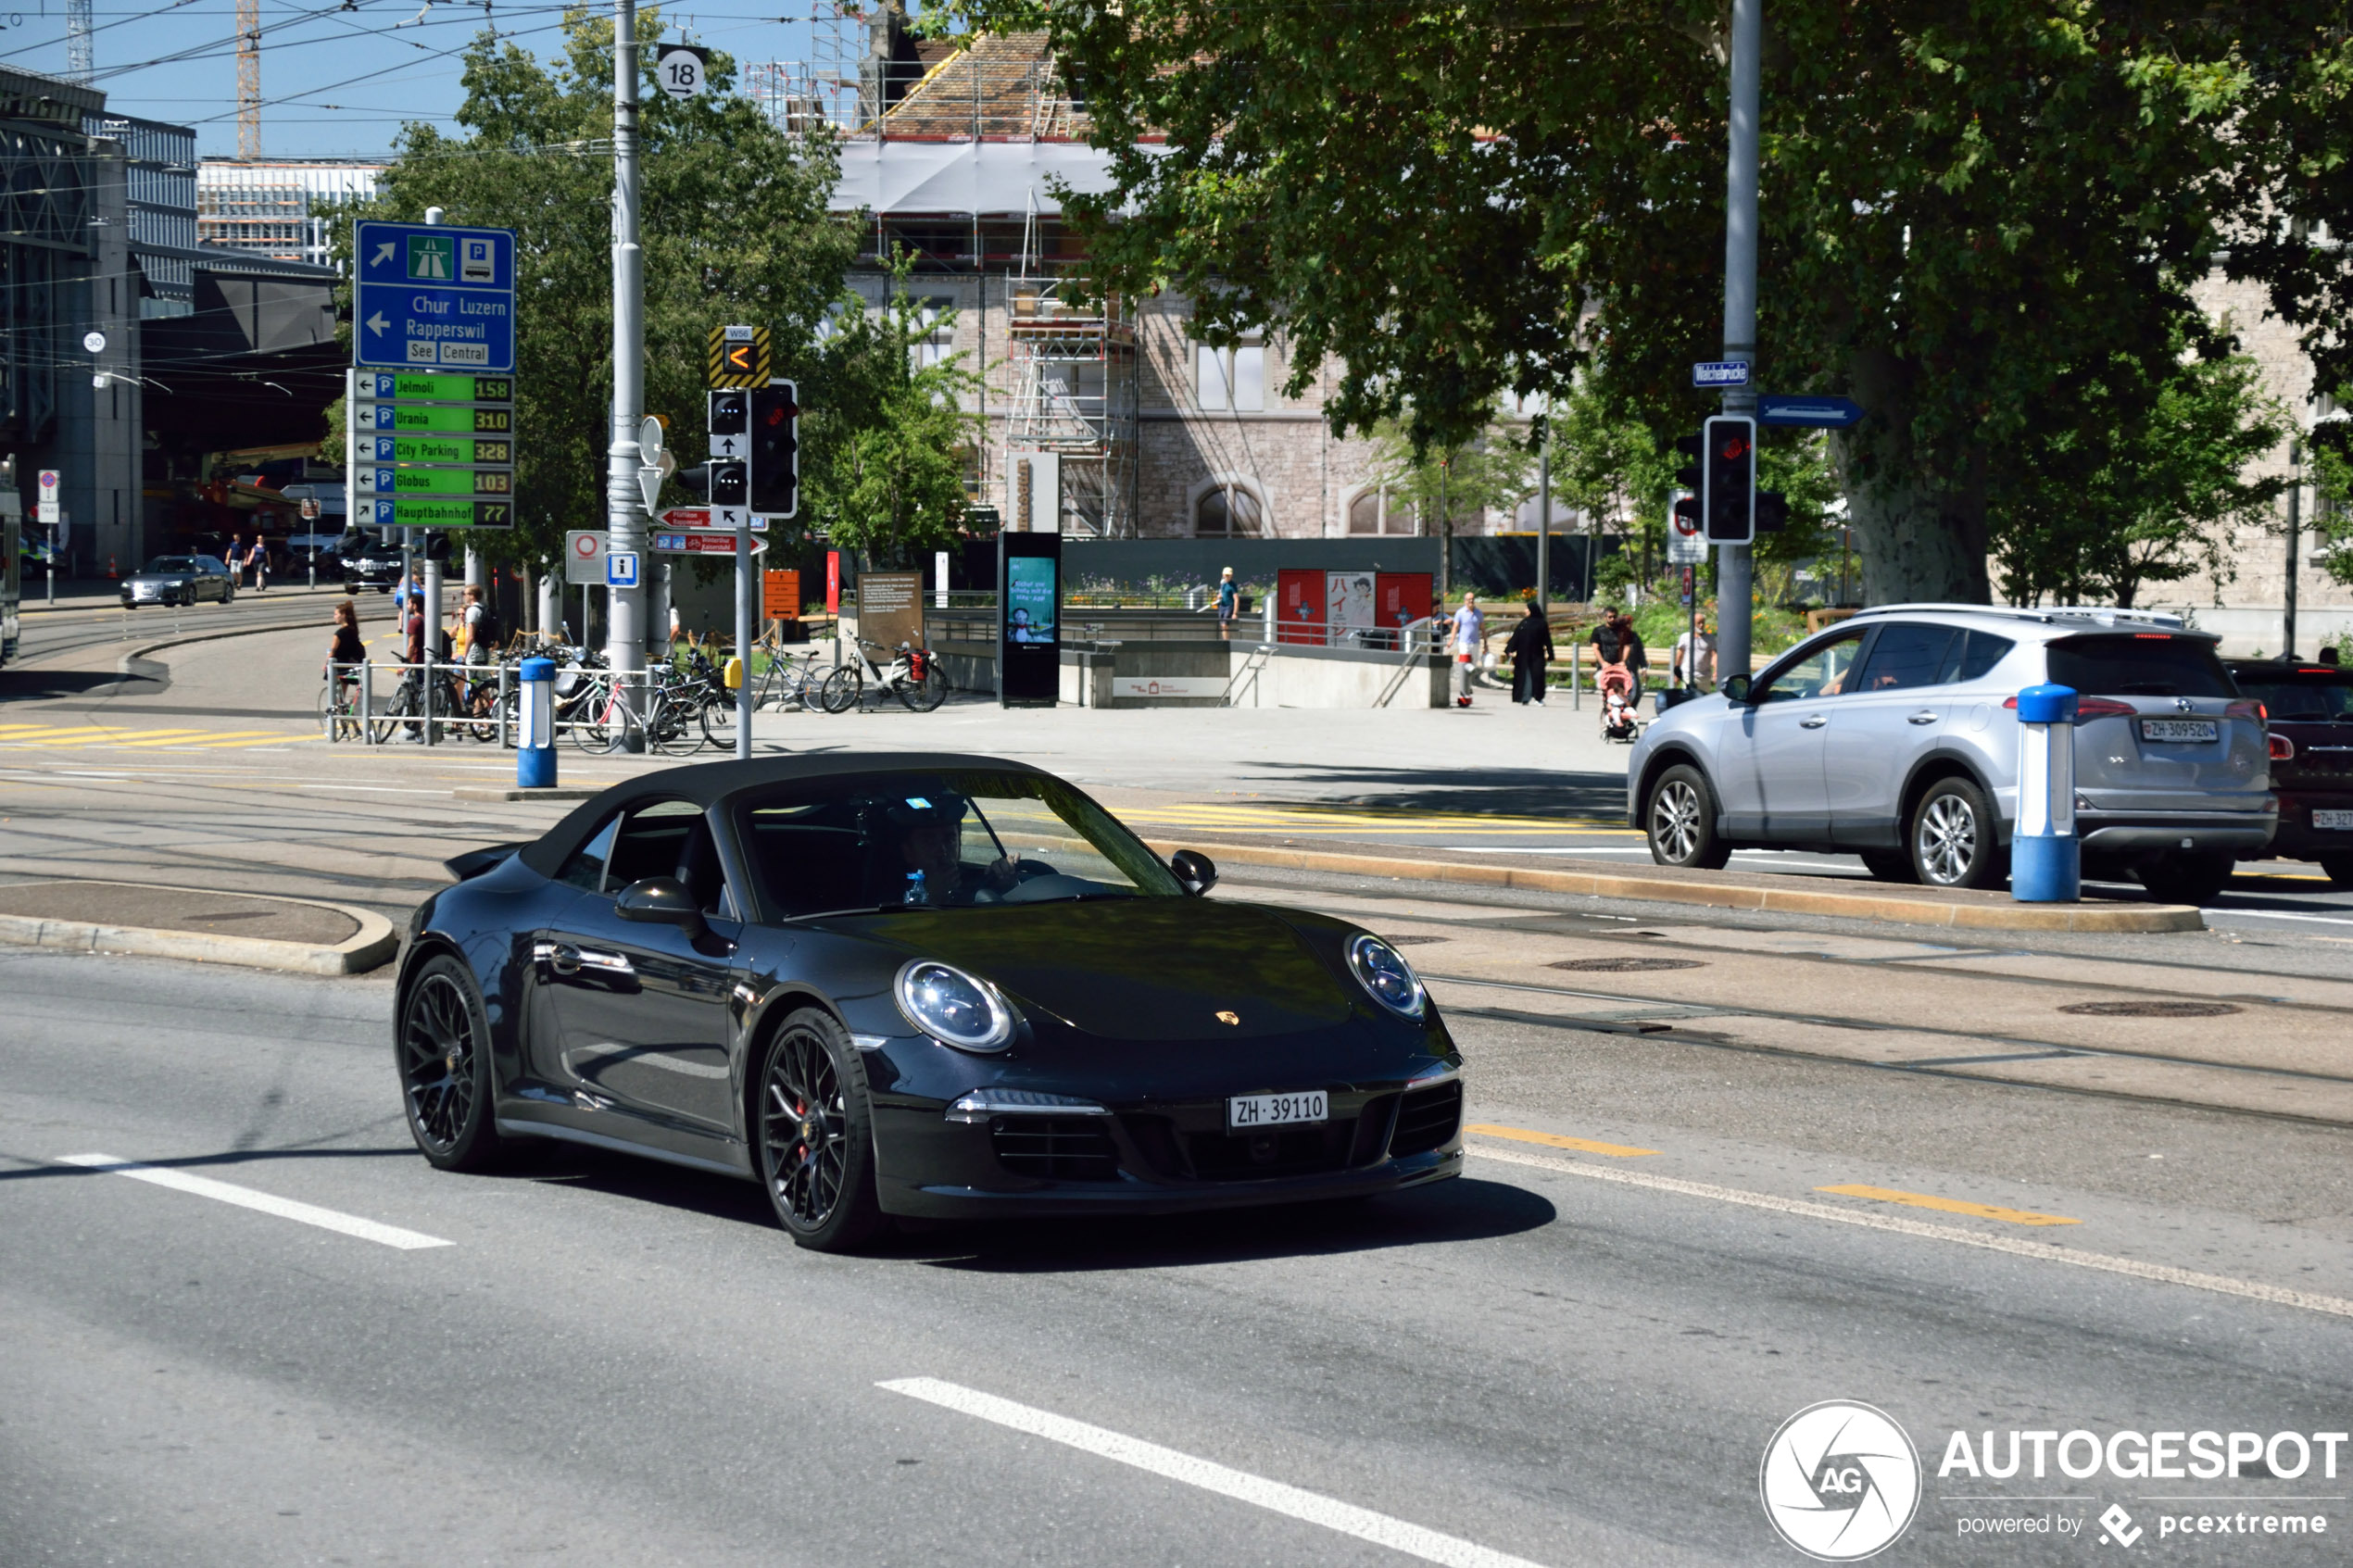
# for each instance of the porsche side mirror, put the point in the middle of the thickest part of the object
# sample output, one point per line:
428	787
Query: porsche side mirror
1734	690
1194	870
659	900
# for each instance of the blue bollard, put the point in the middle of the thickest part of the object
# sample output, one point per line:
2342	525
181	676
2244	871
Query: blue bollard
535	742
2046	859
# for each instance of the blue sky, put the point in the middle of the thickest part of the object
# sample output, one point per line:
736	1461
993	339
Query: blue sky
336	78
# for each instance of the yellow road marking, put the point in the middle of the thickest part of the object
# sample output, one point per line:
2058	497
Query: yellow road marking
1555	1140
1953	1206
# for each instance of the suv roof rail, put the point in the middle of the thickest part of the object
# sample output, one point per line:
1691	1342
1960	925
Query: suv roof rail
2099	615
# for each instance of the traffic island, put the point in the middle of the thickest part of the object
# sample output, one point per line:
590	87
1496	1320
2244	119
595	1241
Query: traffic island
256	931
1765	892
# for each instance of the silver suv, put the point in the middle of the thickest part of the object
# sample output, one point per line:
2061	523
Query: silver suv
1894	737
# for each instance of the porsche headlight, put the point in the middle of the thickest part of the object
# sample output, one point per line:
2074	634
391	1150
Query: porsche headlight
948	1005
1381	970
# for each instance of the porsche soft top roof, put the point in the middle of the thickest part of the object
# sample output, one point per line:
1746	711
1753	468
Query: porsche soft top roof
706	783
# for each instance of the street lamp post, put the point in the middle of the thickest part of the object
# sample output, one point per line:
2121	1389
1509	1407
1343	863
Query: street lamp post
624	607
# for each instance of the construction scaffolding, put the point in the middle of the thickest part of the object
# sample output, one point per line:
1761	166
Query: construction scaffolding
1073	364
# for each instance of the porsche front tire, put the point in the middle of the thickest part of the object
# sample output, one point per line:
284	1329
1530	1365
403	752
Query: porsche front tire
814	1125
443	1048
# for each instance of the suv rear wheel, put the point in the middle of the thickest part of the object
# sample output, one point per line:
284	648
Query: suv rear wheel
2340	868
2180	876
1953	838
1681	821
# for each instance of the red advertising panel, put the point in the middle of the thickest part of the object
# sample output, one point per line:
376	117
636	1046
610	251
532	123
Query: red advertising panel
832	581
1299	606
1400	598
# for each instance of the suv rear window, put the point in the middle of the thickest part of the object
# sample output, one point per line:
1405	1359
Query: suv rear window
2307	698
2139	664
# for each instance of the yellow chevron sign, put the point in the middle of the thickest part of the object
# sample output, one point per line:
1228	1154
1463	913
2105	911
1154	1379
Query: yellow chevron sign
738	357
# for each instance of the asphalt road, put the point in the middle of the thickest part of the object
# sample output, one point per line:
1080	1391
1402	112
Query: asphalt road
1576	1354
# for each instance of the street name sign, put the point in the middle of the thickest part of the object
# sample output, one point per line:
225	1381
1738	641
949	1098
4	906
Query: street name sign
434	511
431	295
1715	374
1821	413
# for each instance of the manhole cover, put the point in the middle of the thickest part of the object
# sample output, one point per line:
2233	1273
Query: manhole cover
1624	966
2149	1009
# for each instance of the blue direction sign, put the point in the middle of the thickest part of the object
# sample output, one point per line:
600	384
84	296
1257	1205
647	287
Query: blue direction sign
1822	413
433	296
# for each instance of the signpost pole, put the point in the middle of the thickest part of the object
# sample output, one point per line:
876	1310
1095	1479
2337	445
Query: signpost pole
624	629
1544	518
1733	571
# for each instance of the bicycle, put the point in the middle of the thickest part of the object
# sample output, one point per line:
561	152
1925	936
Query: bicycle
913	677
786	681
338	704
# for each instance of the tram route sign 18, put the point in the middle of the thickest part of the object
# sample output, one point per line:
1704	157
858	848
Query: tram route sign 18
436	511
432	296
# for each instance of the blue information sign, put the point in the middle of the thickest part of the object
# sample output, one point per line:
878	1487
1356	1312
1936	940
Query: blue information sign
1821	413
433	296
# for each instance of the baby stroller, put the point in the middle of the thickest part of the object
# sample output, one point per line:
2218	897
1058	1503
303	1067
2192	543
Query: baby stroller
1621	702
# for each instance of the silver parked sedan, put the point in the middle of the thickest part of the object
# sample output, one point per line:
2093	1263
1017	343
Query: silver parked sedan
178	579
1894	737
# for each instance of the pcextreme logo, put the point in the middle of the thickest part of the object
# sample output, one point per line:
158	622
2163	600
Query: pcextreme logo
1840	1481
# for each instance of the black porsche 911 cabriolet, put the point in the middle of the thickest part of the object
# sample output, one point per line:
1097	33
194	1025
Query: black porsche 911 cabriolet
912	985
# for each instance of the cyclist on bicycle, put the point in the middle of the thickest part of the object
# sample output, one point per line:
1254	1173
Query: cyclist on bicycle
346	651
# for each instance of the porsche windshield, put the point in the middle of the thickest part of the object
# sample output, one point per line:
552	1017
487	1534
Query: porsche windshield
943	840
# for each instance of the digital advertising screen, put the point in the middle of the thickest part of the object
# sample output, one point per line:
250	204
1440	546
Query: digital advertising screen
1028	636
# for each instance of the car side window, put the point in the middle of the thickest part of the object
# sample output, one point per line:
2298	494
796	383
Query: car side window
1907	655
1986	650
585	869
667	838
1824	672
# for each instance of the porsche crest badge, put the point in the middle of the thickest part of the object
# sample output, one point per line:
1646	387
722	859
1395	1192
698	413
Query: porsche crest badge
1233	1018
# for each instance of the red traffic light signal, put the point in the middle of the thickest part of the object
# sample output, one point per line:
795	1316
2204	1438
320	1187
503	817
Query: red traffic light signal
1728	487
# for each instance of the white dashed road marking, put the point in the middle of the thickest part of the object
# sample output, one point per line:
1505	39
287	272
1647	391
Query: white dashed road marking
1346	1518
267	1203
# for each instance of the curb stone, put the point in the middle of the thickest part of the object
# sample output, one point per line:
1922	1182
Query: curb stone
1807	897
372	944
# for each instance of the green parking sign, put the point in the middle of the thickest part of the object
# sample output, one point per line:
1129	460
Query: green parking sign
433	259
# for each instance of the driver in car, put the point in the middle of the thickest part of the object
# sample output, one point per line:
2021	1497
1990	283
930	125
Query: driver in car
931	847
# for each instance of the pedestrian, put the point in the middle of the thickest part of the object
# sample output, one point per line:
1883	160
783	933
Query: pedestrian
1688	668
1531	651
258	558
346	652
234	558
1615	642
1470	636
1230	599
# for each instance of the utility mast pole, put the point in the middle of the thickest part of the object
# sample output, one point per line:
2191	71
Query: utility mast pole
79	66
1733	562
625	623
248	80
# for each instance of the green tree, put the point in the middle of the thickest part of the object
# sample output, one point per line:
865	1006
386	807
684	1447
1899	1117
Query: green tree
2330	449
2141	484
734	227
893	441
1490	471
1964	207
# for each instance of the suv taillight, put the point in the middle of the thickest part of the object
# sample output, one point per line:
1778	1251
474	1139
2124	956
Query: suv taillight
2283	748
2245	707
2094	708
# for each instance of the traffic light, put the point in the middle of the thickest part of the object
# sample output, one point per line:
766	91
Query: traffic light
729	487
1727	479
729	415
1688	475
775	450
1772	511
437	546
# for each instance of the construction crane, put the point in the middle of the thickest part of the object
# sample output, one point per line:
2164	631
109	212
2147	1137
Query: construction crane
249	79
78	65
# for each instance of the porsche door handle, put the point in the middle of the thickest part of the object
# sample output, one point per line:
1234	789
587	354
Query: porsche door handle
562	959
1813	720
1926	716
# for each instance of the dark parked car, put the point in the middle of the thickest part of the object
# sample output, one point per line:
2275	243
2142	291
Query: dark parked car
942	987
369	563
178	579
2310	708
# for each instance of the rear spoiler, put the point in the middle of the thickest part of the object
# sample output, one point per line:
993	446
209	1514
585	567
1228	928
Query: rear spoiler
474	862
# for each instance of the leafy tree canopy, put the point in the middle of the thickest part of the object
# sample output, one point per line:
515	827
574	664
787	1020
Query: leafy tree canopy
1967	208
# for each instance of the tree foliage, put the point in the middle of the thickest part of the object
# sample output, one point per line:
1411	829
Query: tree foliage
1967	208
734	229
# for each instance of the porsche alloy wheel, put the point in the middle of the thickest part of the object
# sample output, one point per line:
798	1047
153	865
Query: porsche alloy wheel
444	1068
816	1135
